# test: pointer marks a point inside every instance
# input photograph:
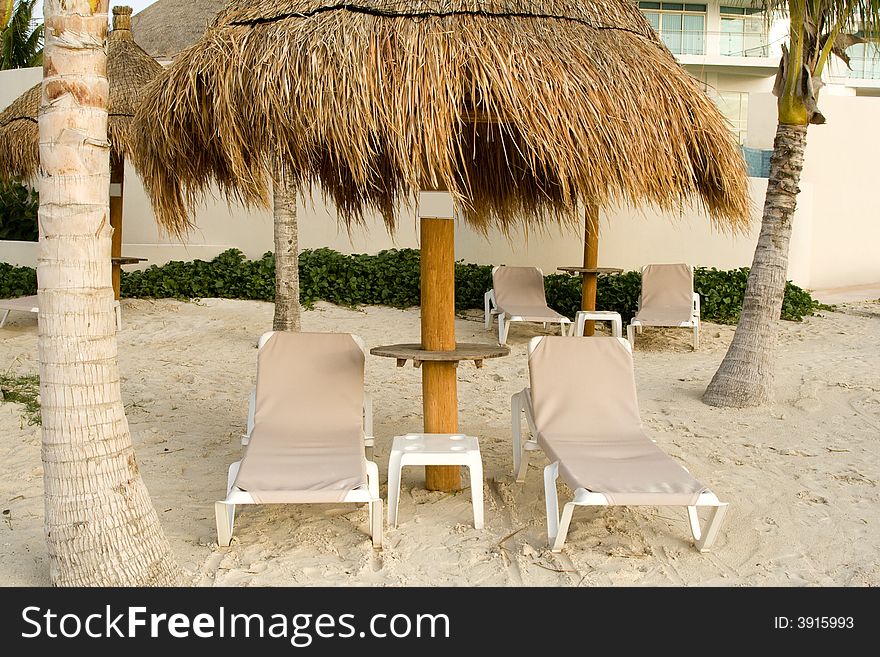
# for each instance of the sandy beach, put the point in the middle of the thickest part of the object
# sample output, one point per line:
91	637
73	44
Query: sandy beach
801	475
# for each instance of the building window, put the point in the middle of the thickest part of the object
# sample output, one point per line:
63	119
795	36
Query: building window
681	27
864	61
743	32
734	105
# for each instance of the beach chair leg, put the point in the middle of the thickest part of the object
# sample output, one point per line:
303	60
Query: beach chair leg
503	329
376	523
516	433
487	311
118	310
564	523
562	330
3	320
551	500
704	540
713	526
631	335
225	515
475	469
696	335
393	486
373	478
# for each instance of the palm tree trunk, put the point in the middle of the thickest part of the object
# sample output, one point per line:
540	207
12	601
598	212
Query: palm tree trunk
101	527
745	377
287	310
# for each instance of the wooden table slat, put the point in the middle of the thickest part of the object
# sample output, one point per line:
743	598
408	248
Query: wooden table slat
463	351
591	270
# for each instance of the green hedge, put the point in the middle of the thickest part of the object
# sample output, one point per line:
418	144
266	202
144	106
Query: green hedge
17	281
391	278
19	206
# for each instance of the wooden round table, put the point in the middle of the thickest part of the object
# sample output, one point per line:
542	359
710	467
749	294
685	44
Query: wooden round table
476	352
591	270
440	410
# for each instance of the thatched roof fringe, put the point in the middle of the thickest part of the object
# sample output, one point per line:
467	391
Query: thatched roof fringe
522	119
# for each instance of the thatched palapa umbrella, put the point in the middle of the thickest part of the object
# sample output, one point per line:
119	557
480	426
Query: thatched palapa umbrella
129	70
523	110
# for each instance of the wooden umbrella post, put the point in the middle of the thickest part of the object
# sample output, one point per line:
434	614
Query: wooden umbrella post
591	261
439	394
117	184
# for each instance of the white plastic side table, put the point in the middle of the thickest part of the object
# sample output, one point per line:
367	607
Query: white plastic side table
598	316
435	449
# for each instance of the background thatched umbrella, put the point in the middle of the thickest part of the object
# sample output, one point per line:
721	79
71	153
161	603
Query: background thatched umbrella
129	70
168	26
522	109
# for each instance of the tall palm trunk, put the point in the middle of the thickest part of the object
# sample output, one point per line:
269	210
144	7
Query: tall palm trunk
287	309
101	527
745	377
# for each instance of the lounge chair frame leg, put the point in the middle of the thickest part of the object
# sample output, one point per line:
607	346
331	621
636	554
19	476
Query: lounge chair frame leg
393	486
551	500
705	539
376	518
487	310
520	403
516	434
475	472
503	329
3	320
225	516
557	528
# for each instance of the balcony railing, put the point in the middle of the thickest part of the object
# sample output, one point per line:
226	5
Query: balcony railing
744	44
864	68
731	44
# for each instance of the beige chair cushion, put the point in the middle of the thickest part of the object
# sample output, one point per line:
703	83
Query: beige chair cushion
667	295
587	416
519	292
307	427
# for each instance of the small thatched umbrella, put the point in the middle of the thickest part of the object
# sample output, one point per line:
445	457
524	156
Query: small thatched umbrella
129	70
522	109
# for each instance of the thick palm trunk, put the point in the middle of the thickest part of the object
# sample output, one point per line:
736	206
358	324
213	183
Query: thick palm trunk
287	310
745	377
101	527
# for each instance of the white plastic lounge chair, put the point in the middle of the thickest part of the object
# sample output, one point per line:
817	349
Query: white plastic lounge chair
667	299
593	437
517	295
30	305
306	444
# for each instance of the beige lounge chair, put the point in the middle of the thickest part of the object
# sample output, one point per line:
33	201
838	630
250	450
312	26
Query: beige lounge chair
30	304
583	410
667	299
517	295
307	441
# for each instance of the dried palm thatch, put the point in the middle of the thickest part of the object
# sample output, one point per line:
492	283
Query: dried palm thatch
168	26
520	108
129	70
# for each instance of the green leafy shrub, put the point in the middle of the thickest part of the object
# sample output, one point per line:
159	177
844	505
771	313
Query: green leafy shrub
392	278
18	212
17	281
